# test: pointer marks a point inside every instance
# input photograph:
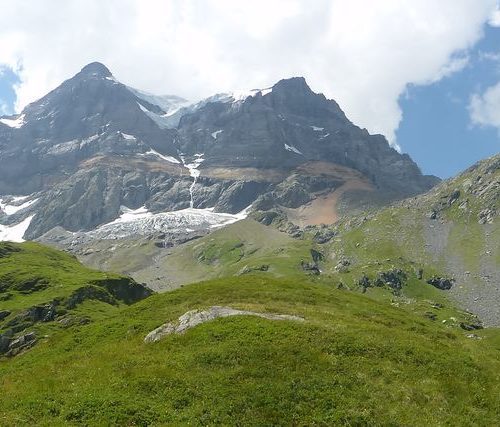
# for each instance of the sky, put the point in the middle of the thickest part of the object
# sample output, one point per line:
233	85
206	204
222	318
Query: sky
424	73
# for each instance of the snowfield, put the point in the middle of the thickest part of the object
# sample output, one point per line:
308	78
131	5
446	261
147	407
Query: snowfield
15	233
13	123
14	205
140	222
292	149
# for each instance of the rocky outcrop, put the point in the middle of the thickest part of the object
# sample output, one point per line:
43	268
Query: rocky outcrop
395	279
197	317
12	346
474	194
442	283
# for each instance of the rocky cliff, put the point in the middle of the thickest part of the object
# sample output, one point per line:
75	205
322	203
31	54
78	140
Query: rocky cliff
94	148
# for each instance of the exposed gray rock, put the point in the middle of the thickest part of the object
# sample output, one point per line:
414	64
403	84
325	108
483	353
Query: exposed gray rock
343	266
395	279
5	340
94	145
364	282
197	317
471	326
246	269
324	235
310	267
442	283
21	343
317	256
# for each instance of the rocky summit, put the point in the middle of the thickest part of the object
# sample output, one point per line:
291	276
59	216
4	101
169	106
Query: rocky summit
95	152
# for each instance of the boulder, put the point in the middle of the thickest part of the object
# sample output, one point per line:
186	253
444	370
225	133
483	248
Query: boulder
21	343
343	266
471	326
441	283
392	278
310	267
194	318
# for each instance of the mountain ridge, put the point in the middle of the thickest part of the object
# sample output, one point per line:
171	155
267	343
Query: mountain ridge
94	146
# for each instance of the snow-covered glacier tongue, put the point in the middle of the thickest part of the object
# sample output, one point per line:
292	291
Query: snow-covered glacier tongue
141	223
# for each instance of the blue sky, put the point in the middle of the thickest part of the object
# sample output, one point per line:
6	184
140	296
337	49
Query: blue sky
437	130
7	93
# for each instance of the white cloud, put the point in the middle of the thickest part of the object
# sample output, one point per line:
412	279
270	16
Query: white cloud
363	53
484	107
494	20
489	56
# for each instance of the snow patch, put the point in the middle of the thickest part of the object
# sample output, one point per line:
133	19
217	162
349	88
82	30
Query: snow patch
88	140
128	137
193	171
14	123
236	96
161	156
163	121
11	209
131	215
292	149
111	78
143	108
15	233
216	133
168	103
64	147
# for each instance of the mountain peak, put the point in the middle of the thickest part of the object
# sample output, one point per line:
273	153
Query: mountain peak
293	83
97	69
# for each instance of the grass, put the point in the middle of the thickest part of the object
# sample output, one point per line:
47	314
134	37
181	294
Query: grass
227	252
32	274
354	361
57	273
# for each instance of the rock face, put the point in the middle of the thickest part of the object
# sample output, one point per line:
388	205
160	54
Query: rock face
290	125
93	146
197	317
475	193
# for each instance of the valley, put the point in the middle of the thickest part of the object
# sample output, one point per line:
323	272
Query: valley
252	255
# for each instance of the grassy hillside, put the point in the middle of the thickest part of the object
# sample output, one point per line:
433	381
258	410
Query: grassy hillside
40	286
452	231
248	247
353	361
240	248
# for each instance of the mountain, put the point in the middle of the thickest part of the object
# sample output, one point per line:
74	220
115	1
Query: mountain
314	275
450	234
96	153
